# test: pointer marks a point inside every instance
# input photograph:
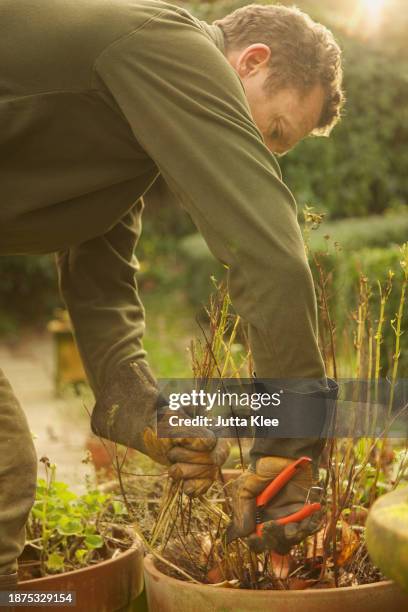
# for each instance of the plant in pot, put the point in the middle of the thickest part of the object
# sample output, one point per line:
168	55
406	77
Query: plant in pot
191	567
81	543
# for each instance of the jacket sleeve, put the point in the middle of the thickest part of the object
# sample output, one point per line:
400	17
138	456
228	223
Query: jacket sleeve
98	284
186	107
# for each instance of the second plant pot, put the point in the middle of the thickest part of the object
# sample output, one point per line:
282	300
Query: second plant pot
108	586
166	594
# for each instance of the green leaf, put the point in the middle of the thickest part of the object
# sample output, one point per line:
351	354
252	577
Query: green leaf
55	515
119	507
69	526
94	541
80	555
55	562
37	513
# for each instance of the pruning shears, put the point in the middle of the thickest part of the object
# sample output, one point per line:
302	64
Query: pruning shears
273	489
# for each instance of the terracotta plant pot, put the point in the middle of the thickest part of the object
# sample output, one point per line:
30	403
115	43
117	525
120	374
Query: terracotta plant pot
101	454
165	594
105	587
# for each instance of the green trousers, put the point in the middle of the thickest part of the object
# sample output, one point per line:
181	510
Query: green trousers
18	472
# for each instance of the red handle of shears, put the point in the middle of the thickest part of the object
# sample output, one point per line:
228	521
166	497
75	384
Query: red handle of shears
277	483
296	517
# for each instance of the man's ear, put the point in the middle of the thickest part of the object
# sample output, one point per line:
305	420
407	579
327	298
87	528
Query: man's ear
252	58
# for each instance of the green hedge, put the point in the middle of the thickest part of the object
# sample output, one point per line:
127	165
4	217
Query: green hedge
374	264
28	290
200	267
357	233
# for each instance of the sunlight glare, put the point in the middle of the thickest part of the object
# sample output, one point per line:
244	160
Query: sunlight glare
373	10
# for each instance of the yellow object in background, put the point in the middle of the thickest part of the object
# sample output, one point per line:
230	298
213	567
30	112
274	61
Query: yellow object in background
68	363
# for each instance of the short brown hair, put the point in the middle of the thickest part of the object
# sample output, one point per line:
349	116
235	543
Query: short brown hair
304	53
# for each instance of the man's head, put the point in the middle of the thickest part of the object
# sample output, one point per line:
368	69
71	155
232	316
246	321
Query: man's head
290	68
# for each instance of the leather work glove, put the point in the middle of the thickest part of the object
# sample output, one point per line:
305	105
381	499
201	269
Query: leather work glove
126	413
291	498
198	469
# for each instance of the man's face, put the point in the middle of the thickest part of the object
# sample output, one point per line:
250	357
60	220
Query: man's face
283	117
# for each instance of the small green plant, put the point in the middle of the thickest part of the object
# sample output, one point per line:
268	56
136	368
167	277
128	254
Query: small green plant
66	531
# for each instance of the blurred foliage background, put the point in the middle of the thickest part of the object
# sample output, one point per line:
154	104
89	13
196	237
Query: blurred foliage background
358	178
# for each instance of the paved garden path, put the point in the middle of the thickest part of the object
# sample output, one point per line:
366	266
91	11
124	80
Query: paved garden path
60	425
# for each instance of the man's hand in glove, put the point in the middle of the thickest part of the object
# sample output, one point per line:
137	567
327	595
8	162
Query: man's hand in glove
195	461
291	498
126	412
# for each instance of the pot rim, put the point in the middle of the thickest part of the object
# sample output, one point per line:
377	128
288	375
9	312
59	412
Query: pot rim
150	567
135	547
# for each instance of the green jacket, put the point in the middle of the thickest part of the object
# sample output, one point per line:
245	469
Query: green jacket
97	97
